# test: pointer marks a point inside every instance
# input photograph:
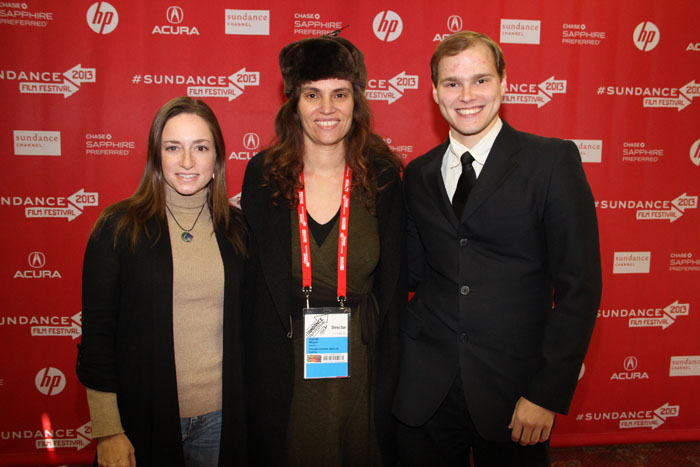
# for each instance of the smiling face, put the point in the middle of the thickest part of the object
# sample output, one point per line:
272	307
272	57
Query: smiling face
469	93
326	111
187	153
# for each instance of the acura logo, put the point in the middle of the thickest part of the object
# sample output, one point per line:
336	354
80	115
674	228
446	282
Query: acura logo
251	141
175	15
36	259
630	363
454	23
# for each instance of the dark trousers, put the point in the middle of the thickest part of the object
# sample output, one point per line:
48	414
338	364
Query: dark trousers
448	438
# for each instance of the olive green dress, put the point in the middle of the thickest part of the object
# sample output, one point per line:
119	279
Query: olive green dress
330	420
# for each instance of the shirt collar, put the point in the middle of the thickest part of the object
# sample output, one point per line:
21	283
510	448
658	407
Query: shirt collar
479	152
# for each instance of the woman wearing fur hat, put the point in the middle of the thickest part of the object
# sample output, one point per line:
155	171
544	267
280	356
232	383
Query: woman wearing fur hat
302	412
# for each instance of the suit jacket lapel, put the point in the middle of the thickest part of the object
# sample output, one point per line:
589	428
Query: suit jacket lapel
435	183
496	169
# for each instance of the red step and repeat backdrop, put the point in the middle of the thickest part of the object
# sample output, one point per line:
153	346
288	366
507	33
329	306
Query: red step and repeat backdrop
81	81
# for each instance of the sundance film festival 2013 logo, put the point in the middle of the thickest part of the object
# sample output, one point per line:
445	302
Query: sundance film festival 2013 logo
227	87
251	145
636	418
53	206
387	26
51	82
52	437
47	325
531	93
659	210
102	17
657	97
392	89
648	317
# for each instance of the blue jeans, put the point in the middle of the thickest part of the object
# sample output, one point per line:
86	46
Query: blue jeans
201	436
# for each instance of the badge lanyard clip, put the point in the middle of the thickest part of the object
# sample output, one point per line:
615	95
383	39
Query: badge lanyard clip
307	292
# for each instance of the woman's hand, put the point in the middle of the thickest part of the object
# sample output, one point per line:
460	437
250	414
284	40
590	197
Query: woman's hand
115	451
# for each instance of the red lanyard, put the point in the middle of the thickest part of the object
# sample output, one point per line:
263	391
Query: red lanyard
342	239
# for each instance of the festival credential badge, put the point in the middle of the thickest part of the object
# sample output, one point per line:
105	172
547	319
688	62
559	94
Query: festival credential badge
326	338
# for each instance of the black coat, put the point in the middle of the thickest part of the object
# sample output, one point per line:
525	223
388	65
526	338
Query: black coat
485	283
127	343
269	361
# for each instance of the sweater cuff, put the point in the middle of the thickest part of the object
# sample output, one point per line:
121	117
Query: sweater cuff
104	413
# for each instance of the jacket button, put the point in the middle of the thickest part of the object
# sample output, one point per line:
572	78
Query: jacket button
463	337
464	290
462	242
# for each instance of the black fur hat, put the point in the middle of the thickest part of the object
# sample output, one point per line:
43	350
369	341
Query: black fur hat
319	58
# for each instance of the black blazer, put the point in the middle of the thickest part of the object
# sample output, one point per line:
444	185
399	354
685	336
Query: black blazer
485	283
127	343
269	361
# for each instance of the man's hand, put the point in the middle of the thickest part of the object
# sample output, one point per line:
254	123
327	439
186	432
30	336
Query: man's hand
115	451
530	424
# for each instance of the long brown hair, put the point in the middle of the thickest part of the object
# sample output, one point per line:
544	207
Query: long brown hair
148	201
283	160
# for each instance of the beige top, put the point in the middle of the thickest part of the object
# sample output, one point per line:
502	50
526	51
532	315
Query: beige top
198	299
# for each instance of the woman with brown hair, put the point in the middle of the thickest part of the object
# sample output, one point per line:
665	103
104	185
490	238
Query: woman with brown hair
160	353
326	215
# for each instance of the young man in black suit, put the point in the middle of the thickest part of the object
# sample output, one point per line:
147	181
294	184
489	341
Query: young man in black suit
504	259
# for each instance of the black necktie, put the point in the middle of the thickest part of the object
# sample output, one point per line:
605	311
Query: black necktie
464	184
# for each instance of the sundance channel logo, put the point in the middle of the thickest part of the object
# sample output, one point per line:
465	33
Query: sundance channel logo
37	143
520	31
248	22
632	262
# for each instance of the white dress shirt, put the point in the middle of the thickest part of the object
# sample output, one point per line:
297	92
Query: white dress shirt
452	165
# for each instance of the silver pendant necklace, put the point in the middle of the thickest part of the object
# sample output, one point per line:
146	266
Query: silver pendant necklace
186	235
